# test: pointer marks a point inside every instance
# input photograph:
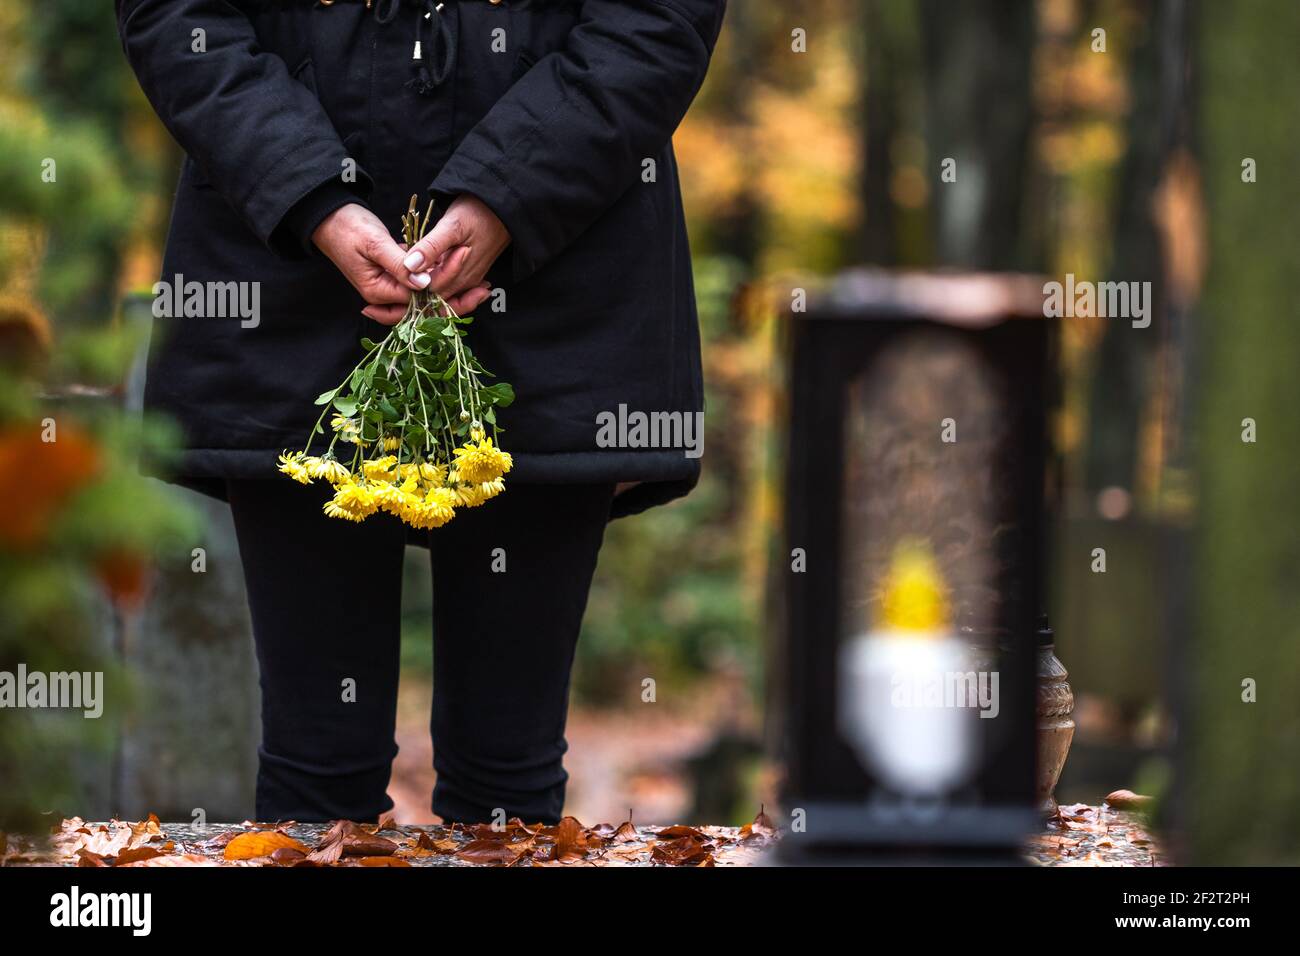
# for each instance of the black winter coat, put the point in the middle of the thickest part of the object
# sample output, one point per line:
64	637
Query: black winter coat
550	123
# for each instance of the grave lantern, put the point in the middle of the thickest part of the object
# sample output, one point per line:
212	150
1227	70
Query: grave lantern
914	564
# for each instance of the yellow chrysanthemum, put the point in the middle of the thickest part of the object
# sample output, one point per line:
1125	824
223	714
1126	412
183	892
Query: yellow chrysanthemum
329	469
349	429
471	496
334	510
391	443
294	466
434	474
354	499
379	469
479	461
387	496
914	597
434	510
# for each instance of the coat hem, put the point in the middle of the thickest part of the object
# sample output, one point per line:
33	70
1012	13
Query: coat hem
661	475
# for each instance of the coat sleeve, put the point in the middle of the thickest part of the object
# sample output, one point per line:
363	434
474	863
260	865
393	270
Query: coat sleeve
569	138
261	137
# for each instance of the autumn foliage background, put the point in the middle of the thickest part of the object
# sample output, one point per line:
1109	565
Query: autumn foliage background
1116	164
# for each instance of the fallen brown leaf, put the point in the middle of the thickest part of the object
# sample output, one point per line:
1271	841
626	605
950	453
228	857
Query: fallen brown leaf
683	851
570	842
346	838
136	854
86	858
762	829
679	831
288	856
489	852
1127	800
250	846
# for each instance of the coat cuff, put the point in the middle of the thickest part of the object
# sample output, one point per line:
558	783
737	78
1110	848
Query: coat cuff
309	212
464	175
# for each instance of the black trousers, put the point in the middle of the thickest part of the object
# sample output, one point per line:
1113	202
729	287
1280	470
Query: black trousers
510	584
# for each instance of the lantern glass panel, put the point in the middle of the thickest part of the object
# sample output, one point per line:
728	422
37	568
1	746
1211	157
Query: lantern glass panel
920	571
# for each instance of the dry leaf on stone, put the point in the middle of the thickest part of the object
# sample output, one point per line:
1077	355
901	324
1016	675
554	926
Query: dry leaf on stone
145	831
626	832
570	840
251	846
1127	800
683	851
761	830
490	852
136	854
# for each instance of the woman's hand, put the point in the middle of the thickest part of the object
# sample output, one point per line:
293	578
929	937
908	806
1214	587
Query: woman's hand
457	253
357	242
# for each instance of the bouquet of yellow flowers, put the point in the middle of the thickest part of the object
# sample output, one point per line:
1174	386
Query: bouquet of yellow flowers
410	421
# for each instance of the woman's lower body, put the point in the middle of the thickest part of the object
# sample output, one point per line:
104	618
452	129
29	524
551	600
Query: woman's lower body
510	584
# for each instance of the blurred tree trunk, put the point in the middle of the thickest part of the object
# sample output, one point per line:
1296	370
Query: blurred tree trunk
1241	758
880	78
1122	382
979	106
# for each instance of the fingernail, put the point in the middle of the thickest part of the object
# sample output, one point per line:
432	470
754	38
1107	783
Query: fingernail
421	279
414	261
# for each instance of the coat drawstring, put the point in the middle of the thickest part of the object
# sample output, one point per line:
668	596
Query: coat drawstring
387	10
440	50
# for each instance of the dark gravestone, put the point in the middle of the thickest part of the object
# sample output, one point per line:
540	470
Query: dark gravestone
189	738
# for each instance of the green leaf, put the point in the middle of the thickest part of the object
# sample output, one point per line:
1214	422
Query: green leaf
326	397
502	394
346	405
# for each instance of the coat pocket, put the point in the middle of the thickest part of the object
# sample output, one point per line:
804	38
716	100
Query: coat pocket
305	73
524	61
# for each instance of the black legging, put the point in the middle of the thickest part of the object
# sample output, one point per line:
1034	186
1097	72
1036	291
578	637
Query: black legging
325	600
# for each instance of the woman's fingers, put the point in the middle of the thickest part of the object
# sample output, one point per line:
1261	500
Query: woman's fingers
466	302
380	288
448	233
384	314
454	274
386	254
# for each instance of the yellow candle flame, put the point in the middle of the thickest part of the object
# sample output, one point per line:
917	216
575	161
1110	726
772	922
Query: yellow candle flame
914	596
